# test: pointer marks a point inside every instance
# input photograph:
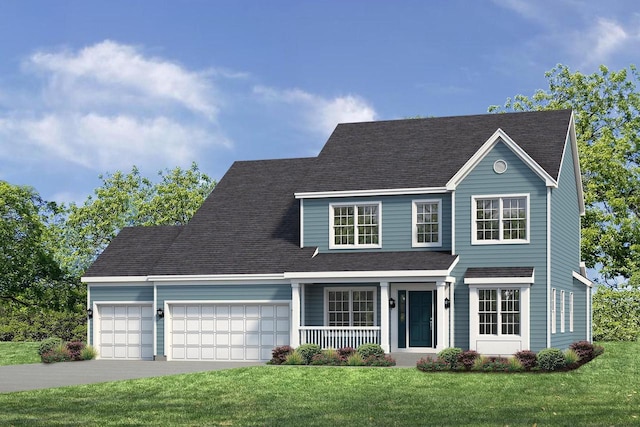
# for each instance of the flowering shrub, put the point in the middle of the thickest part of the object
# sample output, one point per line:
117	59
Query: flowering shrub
584	350
75	349
468	358
385	360
56	350
527	358
311	354
346	352
429	364
279	354
328	357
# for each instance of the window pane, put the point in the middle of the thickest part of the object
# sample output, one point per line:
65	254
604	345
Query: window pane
510	311
343	225
362	303
514	218
487	311
338	308
368	225
487	219
427	222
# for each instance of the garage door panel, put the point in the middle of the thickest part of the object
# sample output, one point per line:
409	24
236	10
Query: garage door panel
125	331
226	331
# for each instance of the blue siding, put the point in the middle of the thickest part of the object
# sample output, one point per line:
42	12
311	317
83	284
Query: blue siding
273	292
565	252
396	221
518	179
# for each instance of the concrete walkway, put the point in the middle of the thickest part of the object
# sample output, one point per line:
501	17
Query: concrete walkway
39	375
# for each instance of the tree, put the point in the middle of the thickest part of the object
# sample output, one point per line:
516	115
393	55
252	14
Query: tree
606	106
29	274
128	200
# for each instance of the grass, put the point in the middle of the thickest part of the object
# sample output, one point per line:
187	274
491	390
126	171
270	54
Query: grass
18	353
603	392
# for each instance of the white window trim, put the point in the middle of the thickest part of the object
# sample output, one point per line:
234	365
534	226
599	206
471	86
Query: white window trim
500	240
414	224
522	340
562	314
350	289
355	245
553	310
570	311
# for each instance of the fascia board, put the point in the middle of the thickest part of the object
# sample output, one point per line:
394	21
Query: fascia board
113	279
499	134
217	277
499	281
403	274
582	279
375	192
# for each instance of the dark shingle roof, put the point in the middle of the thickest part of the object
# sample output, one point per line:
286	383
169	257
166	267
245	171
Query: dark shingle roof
428	152
134	251
250	222
493	272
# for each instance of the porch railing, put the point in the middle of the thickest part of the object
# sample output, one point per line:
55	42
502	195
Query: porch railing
339	336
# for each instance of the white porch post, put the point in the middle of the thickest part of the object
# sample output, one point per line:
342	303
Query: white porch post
294	339
442	331
384	316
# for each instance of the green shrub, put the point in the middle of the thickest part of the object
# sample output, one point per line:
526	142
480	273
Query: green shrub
354	360
450	355
294	358
551	359
48	345
492	364
307	351
430	364
616	314
380	361
514	365
328	357
59	353
29	324
368	350
571	358
88	353
527	358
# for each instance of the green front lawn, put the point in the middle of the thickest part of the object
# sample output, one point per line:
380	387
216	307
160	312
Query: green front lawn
18	353
606	391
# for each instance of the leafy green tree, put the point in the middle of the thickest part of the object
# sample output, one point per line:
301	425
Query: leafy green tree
606	106
128	200
29	274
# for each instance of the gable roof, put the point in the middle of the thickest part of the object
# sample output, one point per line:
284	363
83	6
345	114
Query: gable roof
250	223
429	152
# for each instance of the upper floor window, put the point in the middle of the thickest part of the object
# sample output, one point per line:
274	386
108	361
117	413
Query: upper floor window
355	225
500	219
427	218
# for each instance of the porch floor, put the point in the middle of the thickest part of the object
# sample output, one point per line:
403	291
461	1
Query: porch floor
408	360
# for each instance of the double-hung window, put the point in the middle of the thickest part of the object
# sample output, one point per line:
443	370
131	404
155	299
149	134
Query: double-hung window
355	225
350	307
499	311
427	219
500	219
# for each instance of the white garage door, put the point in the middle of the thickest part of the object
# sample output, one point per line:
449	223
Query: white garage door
125	332
227	331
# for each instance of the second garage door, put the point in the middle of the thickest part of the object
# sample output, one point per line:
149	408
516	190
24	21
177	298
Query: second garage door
227	331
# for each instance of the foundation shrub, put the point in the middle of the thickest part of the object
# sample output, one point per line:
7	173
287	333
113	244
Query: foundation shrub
584	350
279	354
368	350
88	353
307	351
75	350
346	352
384	360
551	359
47	345
294	358
59	353
571	359
328	357
492	364
527	358
430	364
451	356
468	358
354	360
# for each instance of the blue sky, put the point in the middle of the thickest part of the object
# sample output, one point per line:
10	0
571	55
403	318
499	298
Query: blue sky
91	87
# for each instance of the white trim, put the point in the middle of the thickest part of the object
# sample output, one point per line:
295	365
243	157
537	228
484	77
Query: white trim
217	278
302	223
453	222
95	330
374	192
113	279
571	134
385	339
499	135
414	225
499	280
570	311
548	329
404	274
154	308
500	240
296	315
554	309
579	277
423	285
562	313
89	321
355	245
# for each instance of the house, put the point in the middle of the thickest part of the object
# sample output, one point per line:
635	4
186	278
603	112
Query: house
416	234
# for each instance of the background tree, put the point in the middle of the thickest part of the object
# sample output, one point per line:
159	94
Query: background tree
125	200
606	105
29	274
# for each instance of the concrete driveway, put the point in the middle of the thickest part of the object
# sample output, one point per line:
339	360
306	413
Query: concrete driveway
37	376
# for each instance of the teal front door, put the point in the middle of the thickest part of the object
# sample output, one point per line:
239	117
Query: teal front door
420	313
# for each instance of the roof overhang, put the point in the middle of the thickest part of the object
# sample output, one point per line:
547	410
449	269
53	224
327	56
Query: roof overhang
500	276
113	279
376	192
499	135
580	278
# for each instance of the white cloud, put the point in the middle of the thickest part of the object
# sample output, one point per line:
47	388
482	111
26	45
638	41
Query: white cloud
320	114
122	73
603	40
104	143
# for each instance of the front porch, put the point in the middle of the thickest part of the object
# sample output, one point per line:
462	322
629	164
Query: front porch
402	317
